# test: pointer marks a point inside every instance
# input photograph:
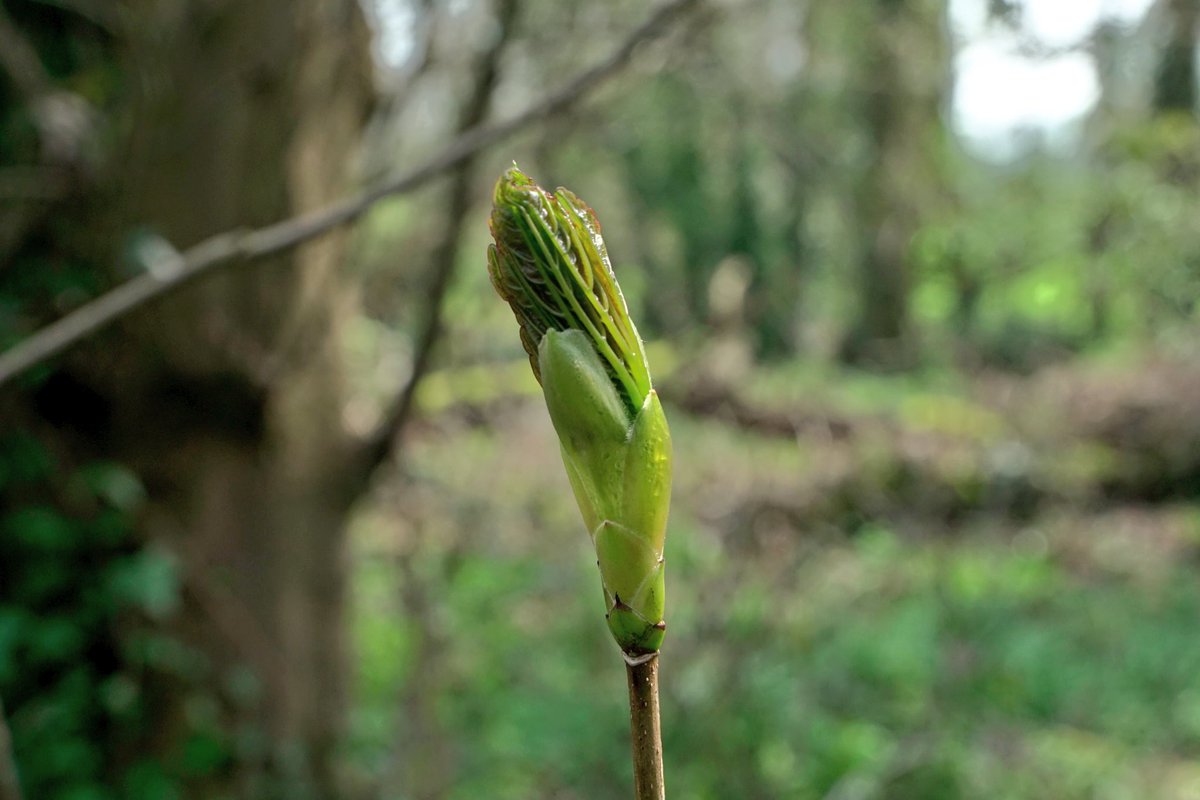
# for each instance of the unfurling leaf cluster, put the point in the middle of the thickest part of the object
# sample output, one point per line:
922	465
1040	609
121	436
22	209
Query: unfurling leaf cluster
549	262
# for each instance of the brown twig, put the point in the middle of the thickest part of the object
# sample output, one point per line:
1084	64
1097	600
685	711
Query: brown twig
445	251
646	730
245	245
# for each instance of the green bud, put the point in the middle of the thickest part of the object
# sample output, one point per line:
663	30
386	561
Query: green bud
550	264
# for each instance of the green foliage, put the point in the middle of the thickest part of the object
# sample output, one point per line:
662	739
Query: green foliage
85	659
847	653
1011	660
1048	258
78	662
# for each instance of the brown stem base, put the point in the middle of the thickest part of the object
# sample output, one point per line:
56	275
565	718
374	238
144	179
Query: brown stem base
646	729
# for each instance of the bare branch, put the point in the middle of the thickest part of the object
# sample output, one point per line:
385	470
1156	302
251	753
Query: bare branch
244	245
445	251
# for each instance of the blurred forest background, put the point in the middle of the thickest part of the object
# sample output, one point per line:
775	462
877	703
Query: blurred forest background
920	282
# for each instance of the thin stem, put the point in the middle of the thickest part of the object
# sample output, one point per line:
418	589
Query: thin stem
646	729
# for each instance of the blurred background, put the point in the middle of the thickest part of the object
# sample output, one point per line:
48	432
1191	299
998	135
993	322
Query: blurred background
920	283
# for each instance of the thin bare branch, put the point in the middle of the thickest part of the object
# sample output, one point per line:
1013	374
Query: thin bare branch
645	727
445	251
245	245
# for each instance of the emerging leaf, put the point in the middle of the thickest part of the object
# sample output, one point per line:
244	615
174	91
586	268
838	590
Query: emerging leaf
549	262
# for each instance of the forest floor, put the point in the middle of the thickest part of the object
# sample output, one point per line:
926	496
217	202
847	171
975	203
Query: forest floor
930	587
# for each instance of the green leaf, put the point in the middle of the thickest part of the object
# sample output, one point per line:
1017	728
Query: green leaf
148	580
56	640
114	484
41	529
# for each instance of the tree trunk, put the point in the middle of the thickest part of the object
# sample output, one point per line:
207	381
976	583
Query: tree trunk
903	73
1175	82
226	397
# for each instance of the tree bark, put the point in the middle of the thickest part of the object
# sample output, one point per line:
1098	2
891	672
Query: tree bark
226	397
